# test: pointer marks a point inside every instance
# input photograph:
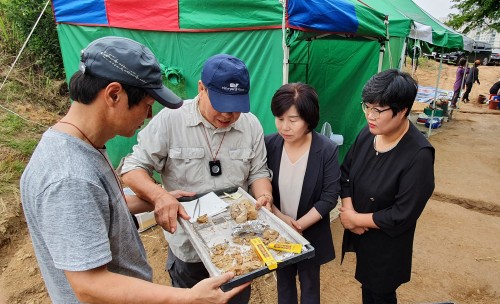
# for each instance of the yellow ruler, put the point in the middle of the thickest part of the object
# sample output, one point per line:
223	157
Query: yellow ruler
263	253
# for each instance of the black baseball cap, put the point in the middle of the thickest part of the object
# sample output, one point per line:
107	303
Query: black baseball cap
128	62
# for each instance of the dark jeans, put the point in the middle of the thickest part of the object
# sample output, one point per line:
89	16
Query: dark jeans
370	297
309	273
468	88
454	100
186	275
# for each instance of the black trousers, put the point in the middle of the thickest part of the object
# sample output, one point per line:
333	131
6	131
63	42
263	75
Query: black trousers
309	274
370	297
186	275
468	88
454	99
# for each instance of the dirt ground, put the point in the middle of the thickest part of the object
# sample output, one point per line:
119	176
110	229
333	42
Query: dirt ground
457	249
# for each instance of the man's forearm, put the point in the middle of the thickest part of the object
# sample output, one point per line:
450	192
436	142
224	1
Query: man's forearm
101	286
137	205
143	185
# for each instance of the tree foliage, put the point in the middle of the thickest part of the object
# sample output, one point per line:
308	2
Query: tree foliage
475	14
43	45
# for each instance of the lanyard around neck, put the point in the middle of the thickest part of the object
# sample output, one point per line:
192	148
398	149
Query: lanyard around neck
214	157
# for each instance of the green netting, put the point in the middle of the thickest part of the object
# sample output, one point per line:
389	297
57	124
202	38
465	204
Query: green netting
260	50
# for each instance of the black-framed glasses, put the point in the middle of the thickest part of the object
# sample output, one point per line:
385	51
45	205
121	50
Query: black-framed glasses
373	111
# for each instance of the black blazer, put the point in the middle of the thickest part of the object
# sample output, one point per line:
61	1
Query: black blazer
320	189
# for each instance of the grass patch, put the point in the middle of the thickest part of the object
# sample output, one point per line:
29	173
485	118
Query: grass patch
11	125
18	135
24	146
11	169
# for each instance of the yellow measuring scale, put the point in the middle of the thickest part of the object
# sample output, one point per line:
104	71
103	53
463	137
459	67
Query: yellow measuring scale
264	254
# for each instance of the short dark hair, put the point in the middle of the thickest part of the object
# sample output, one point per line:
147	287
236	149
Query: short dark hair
84	88
300	95
391	88
462	62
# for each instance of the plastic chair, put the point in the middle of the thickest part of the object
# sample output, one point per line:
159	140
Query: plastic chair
326	130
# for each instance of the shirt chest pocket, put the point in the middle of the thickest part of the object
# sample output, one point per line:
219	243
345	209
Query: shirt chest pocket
186	154
241	160
188	165
243	155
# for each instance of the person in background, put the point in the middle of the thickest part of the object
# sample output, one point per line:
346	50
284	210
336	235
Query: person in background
459	82
495	88
472	76
306	186
387	179
84	236
212	142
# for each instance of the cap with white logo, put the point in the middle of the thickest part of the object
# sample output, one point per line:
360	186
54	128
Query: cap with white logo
228	82
128	62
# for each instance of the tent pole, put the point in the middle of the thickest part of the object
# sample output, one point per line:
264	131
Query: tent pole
414	60
286	53
402	57
286	49
24	45
382	45
381	57
436	92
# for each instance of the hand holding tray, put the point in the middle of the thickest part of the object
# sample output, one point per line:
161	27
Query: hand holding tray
219	231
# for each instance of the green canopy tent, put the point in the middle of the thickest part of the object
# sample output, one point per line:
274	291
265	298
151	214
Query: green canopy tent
412	29
336	61
399	27
443	38
184	33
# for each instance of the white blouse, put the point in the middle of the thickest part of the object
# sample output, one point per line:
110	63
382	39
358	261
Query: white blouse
290	183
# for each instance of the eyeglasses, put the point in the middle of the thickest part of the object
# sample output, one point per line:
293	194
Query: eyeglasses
373	111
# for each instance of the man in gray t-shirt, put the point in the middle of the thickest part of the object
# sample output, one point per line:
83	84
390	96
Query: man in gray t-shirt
84	236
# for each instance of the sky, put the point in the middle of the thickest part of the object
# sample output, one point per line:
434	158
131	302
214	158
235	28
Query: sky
436	8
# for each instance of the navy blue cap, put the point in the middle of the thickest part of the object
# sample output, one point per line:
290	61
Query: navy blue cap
228	82
128	62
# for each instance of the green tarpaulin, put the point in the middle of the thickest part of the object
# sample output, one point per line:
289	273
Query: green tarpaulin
191	31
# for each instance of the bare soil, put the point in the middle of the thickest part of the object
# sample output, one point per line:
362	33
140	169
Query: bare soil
457	248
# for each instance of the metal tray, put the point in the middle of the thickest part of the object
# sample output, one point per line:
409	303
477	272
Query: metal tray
218	230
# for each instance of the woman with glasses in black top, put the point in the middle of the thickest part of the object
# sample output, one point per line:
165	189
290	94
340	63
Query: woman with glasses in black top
387	178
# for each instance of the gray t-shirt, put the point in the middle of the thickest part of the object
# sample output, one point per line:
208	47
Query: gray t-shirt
76	214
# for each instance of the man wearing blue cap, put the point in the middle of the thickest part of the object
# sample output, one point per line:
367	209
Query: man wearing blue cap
84	237
210	143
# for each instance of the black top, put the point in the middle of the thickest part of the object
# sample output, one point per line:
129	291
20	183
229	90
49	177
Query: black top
320	188
472	75
395	186
494	89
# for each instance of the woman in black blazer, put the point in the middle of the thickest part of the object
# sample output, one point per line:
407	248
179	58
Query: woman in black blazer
305	183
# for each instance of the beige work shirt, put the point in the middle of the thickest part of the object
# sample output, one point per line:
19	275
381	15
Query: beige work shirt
174	145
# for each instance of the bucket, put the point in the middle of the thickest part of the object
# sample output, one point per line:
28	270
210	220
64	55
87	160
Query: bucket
493	104
481	98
